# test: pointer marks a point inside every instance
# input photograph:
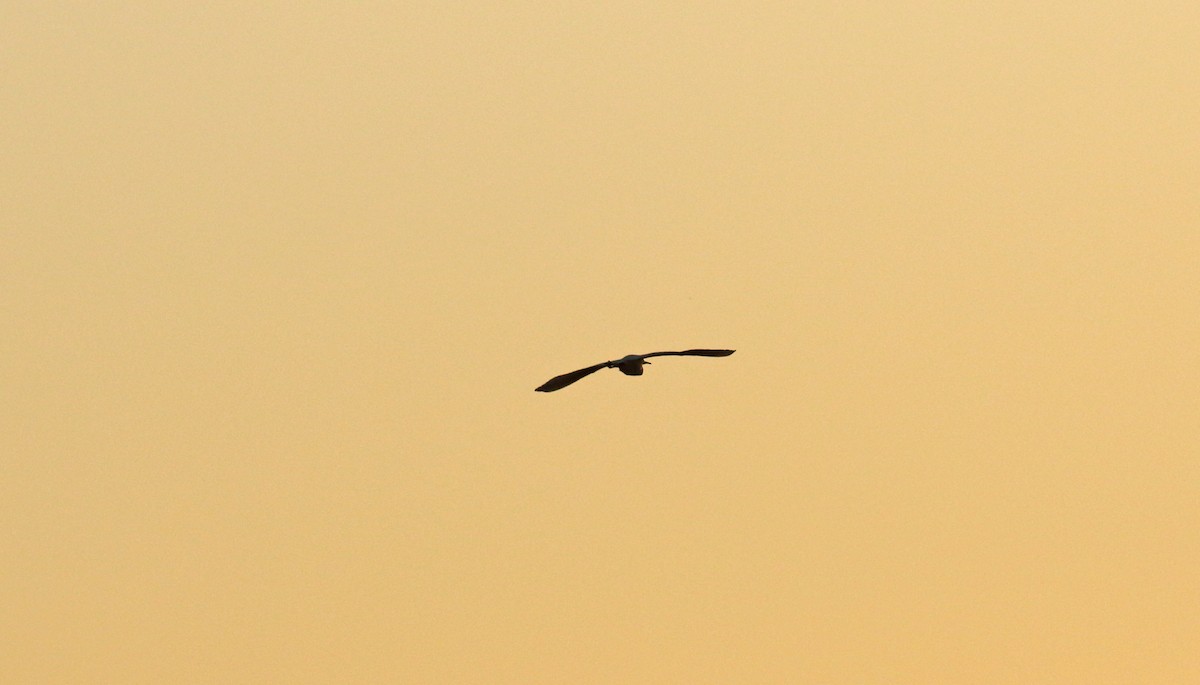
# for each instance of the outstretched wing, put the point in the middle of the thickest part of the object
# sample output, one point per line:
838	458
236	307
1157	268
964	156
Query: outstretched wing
691	353
559	382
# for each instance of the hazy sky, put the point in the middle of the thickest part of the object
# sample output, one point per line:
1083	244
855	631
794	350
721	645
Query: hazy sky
277	281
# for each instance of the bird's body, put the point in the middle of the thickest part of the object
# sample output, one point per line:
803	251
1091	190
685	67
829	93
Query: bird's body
630	365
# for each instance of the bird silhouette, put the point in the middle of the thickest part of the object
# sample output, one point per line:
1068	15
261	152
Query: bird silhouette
630	365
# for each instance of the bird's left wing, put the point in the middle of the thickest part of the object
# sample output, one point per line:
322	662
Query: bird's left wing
559	382
691	353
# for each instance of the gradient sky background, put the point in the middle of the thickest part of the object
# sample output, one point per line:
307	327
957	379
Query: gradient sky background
278	281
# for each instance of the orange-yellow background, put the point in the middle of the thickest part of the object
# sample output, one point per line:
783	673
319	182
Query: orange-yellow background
278	280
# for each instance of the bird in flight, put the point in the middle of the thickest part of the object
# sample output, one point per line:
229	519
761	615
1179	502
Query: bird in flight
630	365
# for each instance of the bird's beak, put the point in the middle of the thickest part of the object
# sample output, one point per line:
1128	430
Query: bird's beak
645	361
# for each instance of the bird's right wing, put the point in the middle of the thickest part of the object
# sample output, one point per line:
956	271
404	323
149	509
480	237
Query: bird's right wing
559	382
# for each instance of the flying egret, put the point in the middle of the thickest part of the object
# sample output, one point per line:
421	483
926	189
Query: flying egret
630	365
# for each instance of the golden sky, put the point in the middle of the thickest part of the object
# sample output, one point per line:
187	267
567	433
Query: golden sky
278	280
